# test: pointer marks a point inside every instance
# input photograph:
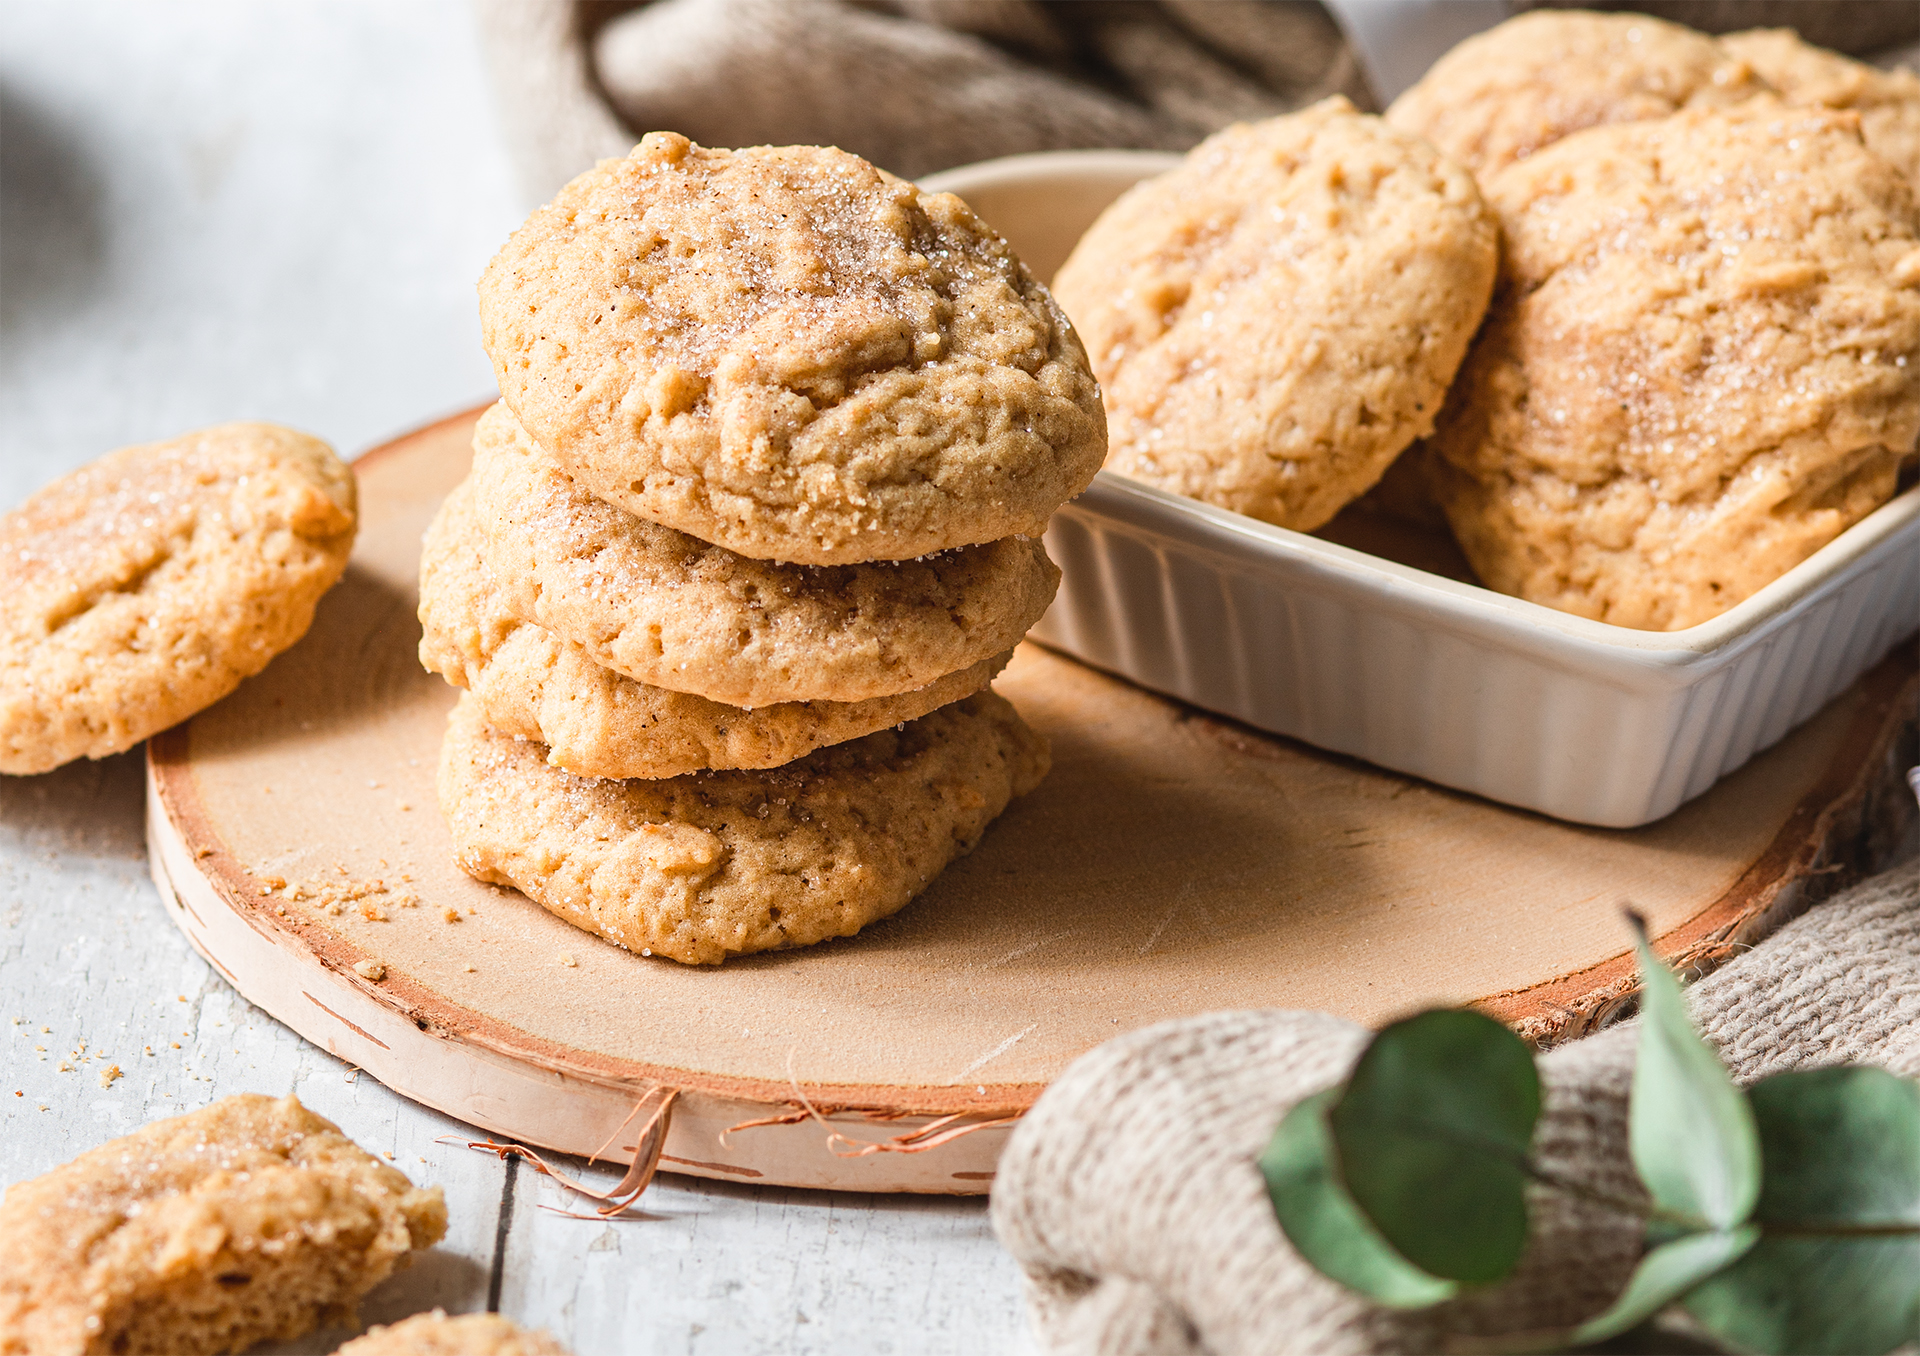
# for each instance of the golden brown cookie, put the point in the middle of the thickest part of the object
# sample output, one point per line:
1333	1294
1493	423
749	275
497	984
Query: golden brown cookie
435	1334
670	611
1503	94
1702	363
1888	102
144	587
1274	320
246	1220
598	723
719	864
791	354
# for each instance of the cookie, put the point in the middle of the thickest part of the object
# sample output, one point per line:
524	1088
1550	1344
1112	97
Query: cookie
247	1220
1503	94
1275	319
720	864
1702	363
671	611
435	1334
143	587
790	353
598	723
1888	102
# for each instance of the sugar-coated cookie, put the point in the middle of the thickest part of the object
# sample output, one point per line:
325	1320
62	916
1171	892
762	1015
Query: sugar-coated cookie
598	723
247	1220
1702	363
670	611
1276	318
144	587
437	1334
1888	102
718	864
1503	94
790	353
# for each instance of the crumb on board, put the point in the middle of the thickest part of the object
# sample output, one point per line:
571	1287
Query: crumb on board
108	1074
370	899
568	961
370	969
451	914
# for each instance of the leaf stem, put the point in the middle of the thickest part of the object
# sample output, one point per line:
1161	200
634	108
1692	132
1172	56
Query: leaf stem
1637	1208
1838	1229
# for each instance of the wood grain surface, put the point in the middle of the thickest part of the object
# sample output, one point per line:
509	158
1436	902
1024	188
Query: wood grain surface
1171	863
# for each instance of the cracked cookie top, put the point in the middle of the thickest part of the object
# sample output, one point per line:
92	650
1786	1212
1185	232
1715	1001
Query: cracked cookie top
1506	93
1275	319
1702	362
790	353
671	611
142	588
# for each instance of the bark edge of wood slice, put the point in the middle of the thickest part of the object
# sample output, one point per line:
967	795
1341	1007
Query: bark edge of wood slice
1174	861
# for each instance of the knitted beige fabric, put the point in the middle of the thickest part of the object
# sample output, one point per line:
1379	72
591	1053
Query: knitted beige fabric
1130	1197
920	85
914	85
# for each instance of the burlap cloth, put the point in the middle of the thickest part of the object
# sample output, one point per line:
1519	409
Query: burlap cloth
1130	1197
921	85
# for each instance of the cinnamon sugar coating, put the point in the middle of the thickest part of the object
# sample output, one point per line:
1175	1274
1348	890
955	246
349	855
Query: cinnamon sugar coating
670	611
598	723
1276	318
719	864
790	353
1504	94
1888	102
145	586
247	1220
1702	363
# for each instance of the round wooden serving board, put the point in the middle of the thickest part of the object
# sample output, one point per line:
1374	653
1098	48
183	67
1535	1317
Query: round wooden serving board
1171	863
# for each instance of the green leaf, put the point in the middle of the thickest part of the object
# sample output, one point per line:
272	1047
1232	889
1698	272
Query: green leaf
1690	1129
1840	1153
1321	1220
1431	1136
1851	1295
1664	1275
1838	1146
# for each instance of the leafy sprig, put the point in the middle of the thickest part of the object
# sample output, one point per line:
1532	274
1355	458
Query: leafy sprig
1784	1218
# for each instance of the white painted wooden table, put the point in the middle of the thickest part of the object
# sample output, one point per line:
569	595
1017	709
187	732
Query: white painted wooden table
213	211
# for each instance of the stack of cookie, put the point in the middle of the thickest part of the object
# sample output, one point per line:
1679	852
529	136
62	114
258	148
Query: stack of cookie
752	528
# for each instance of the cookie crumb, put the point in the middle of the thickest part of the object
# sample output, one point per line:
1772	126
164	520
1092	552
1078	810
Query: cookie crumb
370	969
568	961
108	1074
452	915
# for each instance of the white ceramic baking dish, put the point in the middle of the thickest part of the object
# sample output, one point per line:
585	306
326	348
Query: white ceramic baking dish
1414	671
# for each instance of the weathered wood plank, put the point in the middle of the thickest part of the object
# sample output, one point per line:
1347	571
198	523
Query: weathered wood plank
738	1271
